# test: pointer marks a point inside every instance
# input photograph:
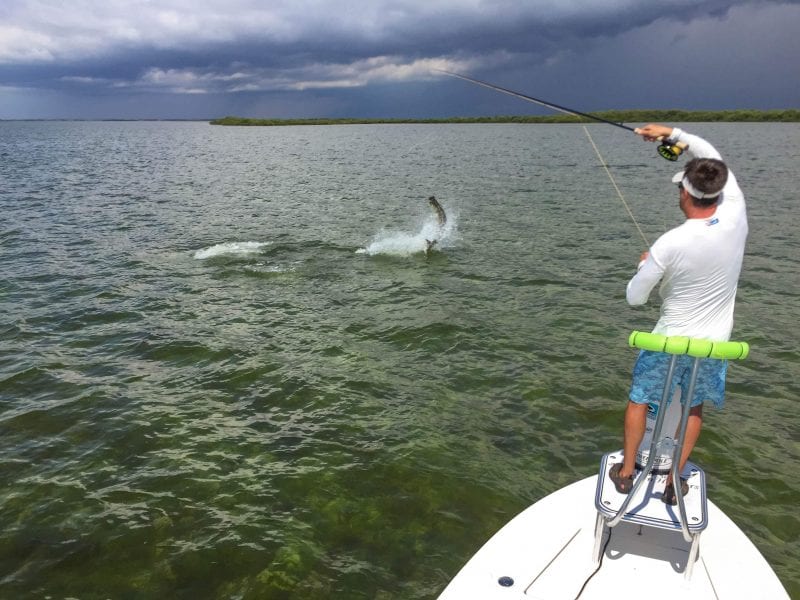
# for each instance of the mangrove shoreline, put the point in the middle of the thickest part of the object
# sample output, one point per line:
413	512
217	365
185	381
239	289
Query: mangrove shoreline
617	116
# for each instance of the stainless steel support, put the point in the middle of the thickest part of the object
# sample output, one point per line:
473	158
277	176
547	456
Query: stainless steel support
599	529
676	457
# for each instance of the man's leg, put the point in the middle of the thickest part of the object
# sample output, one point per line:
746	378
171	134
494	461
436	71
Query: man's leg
710	387
635	423
693	427
647	382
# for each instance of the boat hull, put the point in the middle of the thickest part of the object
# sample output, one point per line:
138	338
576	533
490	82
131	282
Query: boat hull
545	552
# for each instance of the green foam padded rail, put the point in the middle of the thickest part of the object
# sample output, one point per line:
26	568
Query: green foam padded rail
684	345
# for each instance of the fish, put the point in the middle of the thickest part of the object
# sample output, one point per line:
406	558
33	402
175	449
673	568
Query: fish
441	217
440	214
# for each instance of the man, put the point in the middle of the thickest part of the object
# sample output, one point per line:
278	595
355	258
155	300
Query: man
698	265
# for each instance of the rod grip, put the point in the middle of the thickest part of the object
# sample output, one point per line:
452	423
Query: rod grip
691	346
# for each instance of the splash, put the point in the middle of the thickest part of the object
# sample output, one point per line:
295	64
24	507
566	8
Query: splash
399	243
230	248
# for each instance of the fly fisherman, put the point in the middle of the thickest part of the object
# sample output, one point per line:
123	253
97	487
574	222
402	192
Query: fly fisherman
698	265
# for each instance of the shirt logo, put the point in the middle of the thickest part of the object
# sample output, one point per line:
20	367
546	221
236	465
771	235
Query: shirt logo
711	222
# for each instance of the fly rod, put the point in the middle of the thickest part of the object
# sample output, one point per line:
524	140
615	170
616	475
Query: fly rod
667	150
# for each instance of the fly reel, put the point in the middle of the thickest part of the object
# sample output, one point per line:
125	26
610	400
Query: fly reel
671	151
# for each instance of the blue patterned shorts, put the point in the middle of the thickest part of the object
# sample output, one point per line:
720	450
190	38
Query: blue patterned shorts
650	371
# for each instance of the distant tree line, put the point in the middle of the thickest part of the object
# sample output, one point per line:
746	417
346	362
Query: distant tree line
617	116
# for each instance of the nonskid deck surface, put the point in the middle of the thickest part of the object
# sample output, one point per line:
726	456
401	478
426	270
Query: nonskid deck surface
646	507
547	552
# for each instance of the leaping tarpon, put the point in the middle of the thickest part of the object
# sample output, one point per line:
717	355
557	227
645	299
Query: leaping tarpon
441	217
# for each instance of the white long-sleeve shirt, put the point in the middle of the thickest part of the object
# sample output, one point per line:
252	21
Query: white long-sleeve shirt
698	263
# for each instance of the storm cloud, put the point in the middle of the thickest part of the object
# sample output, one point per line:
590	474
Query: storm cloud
198	59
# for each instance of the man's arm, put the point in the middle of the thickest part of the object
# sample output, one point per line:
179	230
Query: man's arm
646	278
697	146
733	197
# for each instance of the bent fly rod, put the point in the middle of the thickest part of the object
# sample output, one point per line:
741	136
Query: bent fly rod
667	150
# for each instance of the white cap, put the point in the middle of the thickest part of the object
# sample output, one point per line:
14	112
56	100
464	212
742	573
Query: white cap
680	178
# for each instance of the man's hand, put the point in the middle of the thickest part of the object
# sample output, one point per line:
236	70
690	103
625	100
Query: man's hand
654	132
642	259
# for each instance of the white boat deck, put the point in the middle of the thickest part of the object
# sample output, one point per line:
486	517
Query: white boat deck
547	552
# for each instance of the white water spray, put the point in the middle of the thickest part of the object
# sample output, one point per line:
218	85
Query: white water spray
400	243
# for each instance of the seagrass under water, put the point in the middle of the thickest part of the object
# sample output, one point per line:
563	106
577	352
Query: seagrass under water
228	370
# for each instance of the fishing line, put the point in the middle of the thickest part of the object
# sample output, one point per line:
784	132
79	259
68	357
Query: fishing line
616	187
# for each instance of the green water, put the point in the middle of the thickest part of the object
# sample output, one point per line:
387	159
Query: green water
227	369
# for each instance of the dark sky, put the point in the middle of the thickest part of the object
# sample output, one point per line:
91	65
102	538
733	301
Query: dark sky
198	59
